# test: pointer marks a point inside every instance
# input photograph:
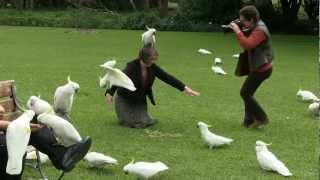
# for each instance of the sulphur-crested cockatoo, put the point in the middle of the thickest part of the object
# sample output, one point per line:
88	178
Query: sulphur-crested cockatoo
63	130
115	77
149	37
63	98
145	169
204	51
38	105
268	161
211	139
17	138
307	96
236	56
314	108
32	156
218	70
217	61
99	160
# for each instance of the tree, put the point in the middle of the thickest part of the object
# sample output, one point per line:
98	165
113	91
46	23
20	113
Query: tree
163	7
290	9
311	7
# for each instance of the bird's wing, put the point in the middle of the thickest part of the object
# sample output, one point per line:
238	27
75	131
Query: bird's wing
109	64
17	138
160	166
275	164
103	81
118	78
268	160
154	38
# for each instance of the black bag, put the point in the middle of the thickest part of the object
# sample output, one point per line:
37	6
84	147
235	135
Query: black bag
243	68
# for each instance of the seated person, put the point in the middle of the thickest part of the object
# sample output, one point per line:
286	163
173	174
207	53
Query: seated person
42	138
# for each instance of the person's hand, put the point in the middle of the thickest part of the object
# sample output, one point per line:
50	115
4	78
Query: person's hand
235	27
4	124
109	98
190	92
35	127
2	109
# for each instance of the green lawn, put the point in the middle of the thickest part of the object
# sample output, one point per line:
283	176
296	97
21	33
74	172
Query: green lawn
40	59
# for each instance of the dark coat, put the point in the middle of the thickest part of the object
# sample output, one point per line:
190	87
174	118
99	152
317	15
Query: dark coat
133	71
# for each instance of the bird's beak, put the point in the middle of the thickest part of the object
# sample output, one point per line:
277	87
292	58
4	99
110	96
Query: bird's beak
268	144
77	90
209	125
126	172
197	126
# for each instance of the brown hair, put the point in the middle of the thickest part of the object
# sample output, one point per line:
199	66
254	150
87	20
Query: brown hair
250	12
146	52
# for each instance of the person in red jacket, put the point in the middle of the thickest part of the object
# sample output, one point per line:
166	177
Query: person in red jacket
254	37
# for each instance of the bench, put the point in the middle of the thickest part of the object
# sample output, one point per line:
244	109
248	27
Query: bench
10	102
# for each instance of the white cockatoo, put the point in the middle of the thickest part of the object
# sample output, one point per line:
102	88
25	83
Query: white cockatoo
218	70
63	130
145	169
204	51
103	82
99	160
149	37
32	156
17	138
268	161
314	108
236	56
217	61
38	105
211	139
63	98
115	77
307	96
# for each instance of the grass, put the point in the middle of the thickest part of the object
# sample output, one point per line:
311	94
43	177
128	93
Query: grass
40	59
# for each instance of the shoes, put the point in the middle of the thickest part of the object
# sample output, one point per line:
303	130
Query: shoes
142	125
152	122
75	153
258	124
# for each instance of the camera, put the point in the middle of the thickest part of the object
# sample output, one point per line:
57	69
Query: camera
226	28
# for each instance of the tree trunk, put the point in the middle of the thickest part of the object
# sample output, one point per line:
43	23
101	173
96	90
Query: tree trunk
163	8
290	9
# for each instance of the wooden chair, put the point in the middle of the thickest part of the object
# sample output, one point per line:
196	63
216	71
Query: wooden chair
10	102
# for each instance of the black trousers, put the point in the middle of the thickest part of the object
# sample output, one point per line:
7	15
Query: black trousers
44	141
253	111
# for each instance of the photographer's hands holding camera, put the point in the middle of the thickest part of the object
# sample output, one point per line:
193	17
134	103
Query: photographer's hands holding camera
235	27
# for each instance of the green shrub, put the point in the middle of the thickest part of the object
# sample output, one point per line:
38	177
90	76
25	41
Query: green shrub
215	11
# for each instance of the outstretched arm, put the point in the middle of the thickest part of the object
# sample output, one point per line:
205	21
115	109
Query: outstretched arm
172	81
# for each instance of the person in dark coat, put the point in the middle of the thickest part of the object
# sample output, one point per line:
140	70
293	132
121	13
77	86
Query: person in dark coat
255	39
131	107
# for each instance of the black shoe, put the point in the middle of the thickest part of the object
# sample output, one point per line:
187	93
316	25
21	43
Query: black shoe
152	122
75	153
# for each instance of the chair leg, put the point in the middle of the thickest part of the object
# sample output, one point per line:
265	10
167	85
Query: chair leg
39	166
